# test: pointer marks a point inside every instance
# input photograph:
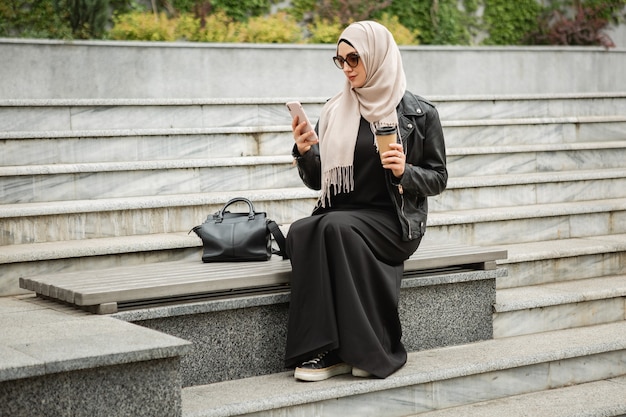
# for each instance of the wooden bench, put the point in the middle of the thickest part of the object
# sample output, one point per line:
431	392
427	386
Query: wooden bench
235	314
111	290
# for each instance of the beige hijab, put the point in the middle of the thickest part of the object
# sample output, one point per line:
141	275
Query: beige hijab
376	101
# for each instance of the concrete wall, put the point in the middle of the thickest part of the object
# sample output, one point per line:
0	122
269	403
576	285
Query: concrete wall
618	34
56	69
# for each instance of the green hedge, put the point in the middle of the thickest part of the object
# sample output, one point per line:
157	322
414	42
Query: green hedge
433	22
510	22
219	27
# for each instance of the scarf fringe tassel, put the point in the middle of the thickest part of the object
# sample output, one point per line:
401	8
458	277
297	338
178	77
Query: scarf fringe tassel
337	180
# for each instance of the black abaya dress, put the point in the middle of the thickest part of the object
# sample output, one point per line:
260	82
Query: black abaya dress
347	264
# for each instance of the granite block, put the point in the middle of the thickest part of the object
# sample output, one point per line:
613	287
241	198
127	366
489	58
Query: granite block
18	365
40	341
246	336
142	389
230	344
60	361
444	315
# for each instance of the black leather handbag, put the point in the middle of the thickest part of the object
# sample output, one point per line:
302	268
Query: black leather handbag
239	237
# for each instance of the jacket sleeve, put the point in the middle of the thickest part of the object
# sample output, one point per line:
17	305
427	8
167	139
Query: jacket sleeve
426	173
309	166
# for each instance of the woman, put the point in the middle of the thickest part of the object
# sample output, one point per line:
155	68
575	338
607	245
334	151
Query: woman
347	258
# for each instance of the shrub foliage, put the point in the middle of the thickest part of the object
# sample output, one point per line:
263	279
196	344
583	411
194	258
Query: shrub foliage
585	27
455	22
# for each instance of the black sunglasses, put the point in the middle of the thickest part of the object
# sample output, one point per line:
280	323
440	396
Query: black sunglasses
352	59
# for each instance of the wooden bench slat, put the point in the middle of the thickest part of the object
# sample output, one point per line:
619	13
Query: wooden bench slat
174	273
169	273
172	279
173	289
448	259
156	272
184	286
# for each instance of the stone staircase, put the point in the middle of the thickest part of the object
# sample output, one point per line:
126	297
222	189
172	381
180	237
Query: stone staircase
90	184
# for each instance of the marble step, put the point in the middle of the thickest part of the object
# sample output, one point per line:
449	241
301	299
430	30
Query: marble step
549	152
107	114
535	105
431	380
161	213
50	182
539	158
560	260
515	189
560	305
86	255
118	145
526	131
491	226
99	114
102	218
601	398
530	263
63	182
529	223
126	145
494	137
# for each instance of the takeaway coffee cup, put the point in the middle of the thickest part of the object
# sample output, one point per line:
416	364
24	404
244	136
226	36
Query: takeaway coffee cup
384	136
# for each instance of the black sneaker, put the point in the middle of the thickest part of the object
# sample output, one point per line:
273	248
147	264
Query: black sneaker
323	366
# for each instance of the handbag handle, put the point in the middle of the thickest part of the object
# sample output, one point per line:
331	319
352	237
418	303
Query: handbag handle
232	201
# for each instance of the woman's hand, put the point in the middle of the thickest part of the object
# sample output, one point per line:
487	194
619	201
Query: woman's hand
394	159
304	141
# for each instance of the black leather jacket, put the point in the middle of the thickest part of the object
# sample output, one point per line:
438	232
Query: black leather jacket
425	173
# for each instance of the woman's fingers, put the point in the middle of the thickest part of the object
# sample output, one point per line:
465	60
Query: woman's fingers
394	159
304	141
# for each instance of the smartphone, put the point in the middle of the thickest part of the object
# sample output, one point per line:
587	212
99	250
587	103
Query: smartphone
296	109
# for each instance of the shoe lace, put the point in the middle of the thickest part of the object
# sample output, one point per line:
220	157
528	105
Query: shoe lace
316	359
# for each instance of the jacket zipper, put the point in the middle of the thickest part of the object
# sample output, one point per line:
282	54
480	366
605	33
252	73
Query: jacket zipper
401	192
406	220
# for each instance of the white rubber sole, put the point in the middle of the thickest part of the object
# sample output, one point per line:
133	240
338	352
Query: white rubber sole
313	375
360	373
